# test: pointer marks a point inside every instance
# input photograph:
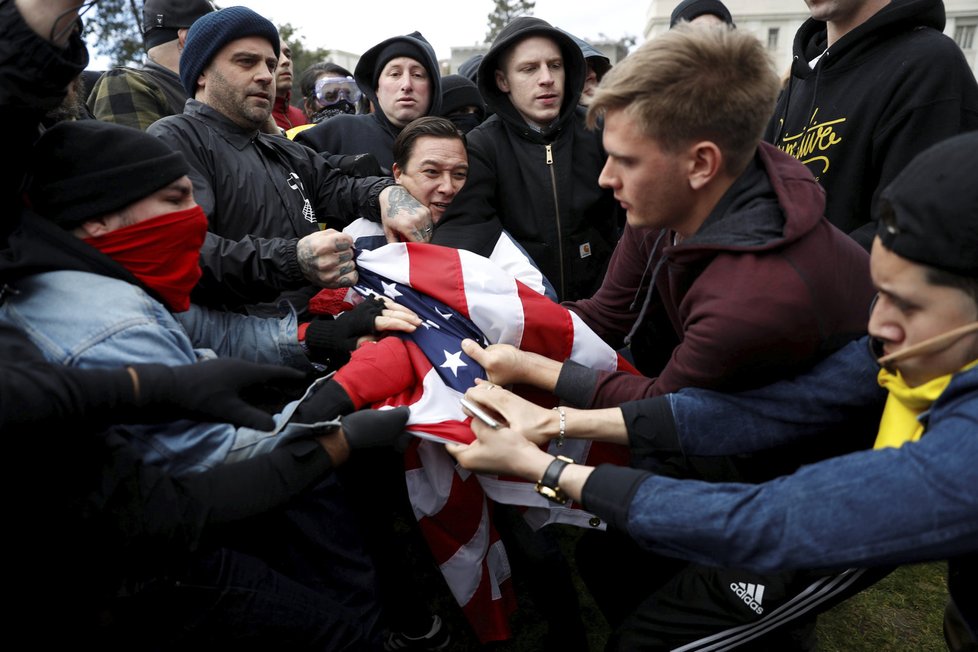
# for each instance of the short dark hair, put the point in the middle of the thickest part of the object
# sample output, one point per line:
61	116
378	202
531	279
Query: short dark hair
427	126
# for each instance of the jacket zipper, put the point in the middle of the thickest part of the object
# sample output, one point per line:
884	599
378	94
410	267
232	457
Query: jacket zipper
560	239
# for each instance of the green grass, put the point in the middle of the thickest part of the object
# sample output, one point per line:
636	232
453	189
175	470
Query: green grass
904	611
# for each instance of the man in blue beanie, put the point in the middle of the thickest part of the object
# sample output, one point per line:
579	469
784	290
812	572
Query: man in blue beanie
266	197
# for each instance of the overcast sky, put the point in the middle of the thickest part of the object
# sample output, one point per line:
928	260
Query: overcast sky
355	26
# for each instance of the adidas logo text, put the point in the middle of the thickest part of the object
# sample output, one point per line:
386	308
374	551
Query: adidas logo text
751	594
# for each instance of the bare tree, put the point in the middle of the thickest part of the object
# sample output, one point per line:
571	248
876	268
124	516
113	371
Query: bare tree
505	11
115	31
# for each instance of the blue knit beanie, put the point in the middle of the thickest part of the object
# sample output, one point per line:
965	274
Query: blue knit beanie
212	32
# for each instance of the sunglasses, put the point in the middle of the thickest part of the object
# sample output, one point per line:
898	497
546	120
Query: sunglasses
330	90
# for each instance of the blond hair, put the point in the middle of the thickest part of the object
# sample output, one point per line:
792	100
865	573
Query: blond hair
695	83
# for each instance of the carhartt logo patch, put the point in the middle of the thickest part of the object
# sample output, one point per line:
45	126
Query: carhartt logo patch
751	594
585	249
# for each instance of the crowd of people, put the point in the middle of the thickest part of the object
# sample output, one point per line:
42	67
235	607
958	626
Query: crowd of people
766	287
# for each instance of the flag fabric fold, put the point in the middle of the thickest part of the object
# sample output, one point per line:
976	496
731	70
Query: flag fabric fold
458	295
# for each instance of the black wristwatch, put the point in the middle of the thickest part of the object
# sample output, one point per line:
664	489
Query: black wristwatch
547	485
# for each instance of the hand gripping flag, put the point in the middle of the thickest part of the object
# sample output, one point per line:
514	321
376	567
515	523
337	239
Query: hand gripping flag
458	295
368	235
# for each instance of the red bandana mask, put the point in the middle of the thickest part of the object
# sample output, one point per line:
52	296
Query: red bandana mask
163	252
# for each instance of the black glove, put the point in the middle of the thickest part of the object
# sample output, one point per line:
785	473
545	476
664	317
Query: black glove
359	165
330	340
376	428
328	402
208	391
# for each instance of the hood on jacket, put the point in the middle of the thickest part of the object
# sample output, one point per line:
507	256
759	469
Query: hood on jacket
470	68
773	203
597	59
412	45
516	31
811	38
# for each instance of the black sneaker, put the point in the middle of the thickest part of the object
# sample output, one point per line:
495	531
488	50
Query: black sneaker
437	638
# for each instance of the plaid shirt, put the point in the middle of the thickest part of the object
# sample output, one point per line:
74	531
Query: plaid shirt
137	97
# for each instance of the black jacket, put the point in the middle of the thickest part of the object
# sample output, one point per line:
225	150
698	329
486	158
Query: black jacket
541	185
372	133
89	515
883	93
261	194
34	76
82	510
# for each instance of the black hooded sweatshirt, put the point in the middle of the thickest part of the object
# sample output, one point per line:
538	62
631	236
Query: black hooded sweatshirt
373	133
880	95
542	186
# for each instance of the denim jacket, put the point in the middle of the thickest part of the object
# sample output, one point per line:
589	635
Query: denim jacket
872	507
81	319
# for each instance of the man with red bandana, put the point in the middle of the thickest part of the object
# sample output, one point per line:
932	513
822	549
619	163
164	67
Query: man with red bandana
106	205
101	276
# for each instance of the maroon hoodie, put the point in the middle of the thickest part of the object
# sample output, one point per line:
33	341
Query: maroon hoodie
765	288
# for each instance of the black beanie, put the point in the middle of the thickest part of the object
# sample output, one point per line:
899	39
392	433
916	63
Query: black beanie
162	18
398	46
929	212
458	92
84	169
690	9
212	32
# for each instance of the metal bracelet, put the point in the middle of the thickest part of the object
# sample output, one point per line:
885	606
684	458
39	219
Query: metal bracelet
563	426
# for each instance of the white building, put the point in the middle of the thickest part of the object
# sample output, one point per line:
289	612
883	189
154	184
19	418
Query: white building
343	58
775	22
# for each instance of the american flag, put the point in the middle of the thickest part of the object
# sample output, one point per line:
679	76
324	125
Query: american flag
458	294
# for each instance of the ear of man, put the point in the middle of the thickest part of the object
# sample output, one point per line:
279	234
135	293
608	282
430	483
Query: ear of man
705	163
501	82
96	227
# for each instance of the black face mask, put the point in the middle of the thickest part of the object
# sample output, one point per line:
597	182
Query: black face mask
465	122
875	344
338	108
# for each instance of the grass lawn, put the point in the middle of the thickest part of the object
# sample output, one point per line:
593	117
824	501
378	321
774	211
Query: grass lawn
904	611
